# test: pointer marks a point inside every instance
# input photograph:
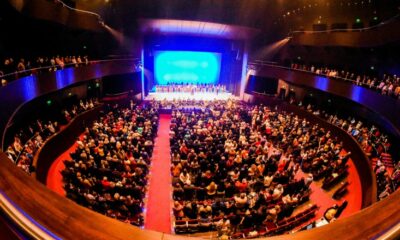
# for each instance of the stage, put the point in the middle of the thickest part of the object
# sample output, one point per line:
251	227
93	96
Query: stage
204	96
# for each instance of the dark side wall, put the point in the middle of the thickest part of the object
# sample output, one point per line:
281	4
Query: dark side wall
48	107
22	36
370	61
122	83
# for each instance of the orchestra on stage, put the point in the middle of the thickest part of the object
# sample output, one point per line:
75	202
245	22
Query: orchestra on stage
190	88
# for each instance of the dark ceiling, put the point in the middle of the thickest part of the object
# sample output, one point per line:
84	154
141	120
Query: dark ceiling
271	16
23	35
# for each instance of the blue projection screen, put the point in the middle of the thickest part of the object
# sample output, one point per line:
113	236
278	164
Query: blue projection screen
186	67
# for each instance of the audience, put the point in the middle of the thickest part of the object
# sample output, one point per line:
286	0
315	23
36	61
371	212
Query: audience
237	163
108	170
3	81
28	141
234	165
386	85
374	143
190	88
40	64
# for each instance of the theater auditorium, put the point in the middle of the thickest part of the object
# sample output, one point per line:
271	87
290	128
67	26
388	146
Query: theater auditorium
200	119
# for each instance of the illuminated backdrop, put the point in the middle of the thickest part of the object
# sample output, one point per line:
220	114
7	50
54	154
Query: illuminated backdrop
187	67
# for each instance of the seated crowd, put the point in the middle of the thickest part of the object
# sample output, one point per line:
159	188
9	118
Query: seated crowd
108	170
386	85
9	65
29	140
376	146
183	104
237	163
191	88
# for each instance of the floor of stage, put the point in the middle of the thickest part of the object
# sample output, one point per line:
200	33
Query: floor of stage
205	96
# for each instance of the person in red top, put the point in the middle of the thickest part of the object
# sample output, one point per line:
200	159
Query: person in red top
105	183
184	149
282	165
241	186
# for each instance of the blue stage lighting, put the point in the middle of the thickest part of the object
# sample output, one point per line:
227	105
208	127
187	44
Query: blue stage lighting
186	67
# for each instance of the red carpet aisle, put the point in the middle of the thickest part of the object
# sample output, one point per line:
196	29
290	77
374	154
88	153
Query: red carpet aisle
354	197
158	213
54	178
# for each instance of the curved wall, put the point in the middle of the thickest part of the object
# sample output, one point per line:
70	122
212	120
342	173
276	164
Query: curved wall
25	89
360	160
53	212
61	141
57	12
60	212
383	108
375	36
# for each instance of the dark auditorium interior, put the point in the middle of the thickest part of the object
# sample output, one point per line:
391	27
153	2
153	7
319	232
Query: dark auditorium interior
200	119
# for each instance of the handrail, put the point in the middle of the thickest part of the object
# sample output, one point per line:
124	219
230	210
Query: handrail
44	153
38	69
80	10
39	149
392	19
363	166
60	212
17	93
29	225
31	197
267	63
23	149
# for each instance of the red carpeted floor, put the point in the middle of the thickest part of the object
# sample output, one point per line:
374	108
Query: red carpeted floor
324	198
158	207
54	178
354	197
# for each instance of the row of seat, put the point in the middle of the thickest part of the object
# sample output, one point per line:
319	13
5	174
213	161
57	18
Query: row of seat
284	225
200	225
386	159
196	225
331	181
339	193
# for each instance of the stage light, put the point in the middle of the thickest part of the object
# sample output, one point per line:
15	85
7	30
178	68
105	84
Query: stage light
49	102
186	67
358	20
376	18
269	51
119	36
